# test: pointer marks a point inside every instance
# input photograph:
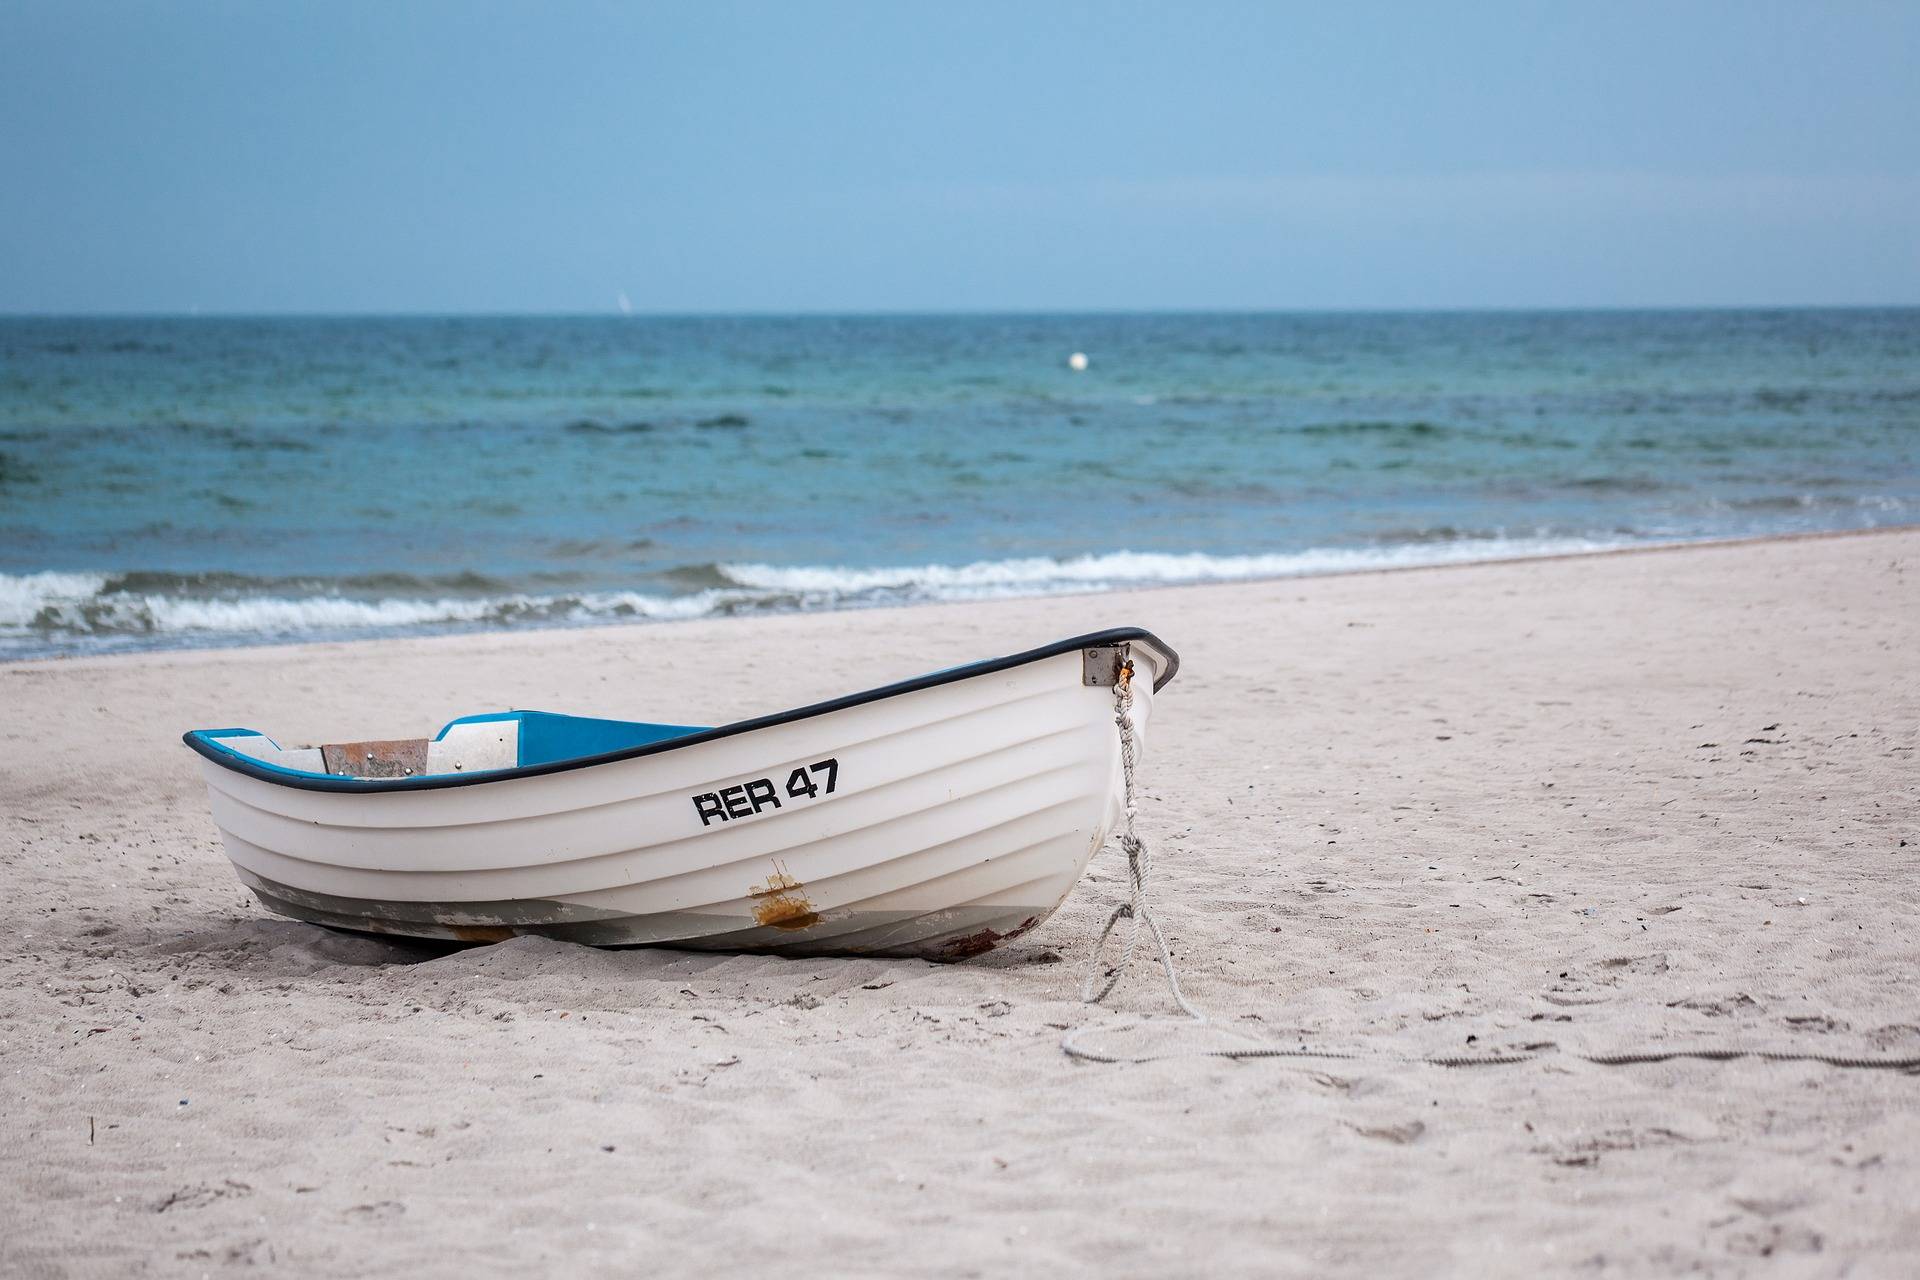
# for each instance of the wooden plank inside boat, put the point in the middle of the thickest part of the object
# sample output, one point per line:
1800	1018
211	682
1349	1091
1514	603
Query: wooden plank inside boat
386	758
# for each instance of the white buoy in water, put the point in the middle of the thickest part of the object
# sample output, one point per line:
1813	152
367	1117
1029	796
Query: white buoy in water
1077	362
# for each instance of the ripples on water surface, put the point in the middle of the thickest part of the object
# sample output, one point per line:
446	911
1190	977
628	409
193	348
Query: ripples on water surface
192	481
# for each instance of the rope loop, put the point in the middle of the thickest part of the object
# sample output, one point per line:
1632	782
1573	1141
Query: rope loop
1134	910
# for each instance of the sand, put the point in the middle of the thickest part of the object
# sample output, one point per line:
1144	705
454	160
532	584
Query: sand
1594	803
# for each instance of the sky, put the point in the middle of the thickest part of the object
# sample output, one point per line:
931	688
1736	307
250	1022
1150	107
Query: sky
831	157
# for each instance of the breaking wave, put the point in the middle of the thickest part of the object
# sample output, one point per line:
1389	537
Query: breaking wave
53	612
49	613
1044	575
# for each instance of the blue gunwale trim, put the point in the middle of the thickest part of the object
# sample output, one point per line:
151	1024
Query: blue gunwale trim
208	741
485	717
205	741
543	734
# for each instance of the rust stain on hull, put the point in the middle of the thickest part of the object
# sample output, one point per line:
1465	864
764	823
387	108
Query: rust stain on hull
785	911
780	904
480	932
983	941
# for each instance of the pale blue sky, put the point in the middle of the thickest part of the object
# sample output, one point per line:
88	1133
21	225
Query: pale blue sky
902	156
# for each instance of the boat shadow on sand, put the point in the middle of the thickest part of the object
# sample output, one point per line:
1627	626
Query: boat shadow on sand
281	950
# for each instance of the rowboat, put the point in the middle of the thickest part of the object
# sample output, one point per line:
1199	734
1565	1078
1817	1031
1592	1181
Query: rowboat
936	817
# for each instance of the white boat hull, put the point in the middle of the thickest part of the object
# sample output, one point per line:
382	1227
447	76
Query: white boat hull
954	816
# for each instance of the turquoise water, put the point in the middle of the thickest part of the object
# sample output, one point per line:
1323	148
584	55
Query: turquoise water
207	481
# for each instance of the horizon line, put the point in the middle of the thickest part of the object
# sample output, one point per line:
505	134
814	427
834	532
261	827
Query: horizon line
7	314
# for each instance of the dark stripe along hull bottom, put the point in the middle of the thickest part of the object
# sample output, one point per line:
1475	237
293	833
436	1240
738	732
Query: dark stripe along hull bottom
947	935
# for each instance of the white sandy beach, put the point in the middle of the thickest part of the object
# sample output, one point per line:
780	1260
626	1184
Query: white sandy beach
1622	801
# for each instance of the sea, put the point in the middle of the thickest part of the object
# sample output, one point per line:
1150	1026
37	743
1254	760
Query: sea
194	481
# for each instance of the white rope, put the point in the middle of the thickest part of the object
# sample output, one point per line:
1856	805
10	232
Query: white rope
1136	911
1139	867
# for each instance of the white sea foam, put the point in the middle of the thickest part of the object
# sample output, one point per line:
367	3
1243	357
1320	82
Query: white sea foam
23	596
76	605
44	612
1039	574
